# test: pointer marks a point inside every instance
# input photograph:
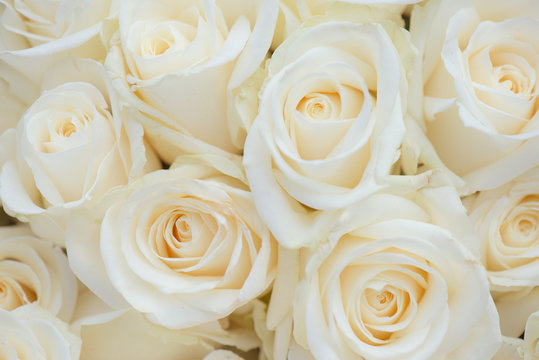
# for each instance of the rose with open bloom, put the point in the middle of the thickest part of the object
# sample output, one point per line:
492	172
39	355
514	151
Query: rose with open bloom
185	246
328	129
507	221
480	82
33	270
30	332
35	34
394	284
199	49
72	145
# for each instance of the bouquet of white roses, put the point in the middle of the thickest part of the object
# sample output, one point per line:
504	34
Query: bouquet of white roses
269	179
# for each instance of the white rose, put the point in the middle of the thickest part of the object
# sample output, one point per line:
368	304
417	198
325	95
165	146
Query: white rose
328	129
33	270
507	221
480	87
294	13
199	49
127	334
72	145
185	246
29	332
394	283
33	35
531	337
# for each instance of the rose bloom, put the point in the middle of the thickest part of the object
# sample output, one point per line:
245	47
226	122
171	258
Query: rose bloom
184	246
34	35
72	145
33	270
294	13
201	50
507	221
29	332
396	280
480	86
531	337
328	129
127	334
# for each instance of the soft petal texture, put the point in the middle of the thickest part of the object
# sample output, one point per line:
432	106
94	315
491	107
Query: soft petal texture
531	337
33	270
72	145
30	332
393	283
36	34
479	81
316	145
184	246
199	49
296	13
507	221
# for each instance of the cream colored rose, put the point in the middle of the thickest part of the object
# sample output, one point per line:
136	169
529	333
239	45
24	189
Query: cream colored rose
531	337
29	332
33	270
127	334
480	85
395	282
182	60
72	145
184	246
328	129
35	34
507	221
294	13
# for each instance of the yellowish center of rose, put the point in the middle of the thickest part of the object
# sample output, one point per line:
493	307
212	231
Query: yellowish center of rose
14	294
320	106
512	79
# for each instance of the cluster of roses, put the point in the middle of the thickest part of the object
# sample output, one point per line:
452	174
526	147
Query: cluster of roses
269	179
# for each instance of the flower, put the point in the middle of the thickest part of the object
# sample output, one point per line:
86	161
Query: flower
35	271
531	337
184	246
198	49
31	332
36	35
507	221
395	282
480	89
72	145
328	130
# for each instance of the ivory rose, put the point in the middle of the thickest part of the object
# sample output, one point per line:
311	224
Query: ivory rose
107	333
396	281
294	13
184	246
72	145
480	86
35	34
328	130
182	60
29	332
531	337
33	270
507	221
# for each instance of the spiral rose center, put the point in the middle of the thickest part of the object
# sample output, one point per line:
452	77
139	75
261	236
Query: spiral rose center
519	235
511	78
66	124
320	106
14	294
159	38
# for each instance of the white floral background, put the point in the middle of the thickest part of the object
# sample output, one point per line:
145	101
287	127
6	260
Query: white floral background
269	179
